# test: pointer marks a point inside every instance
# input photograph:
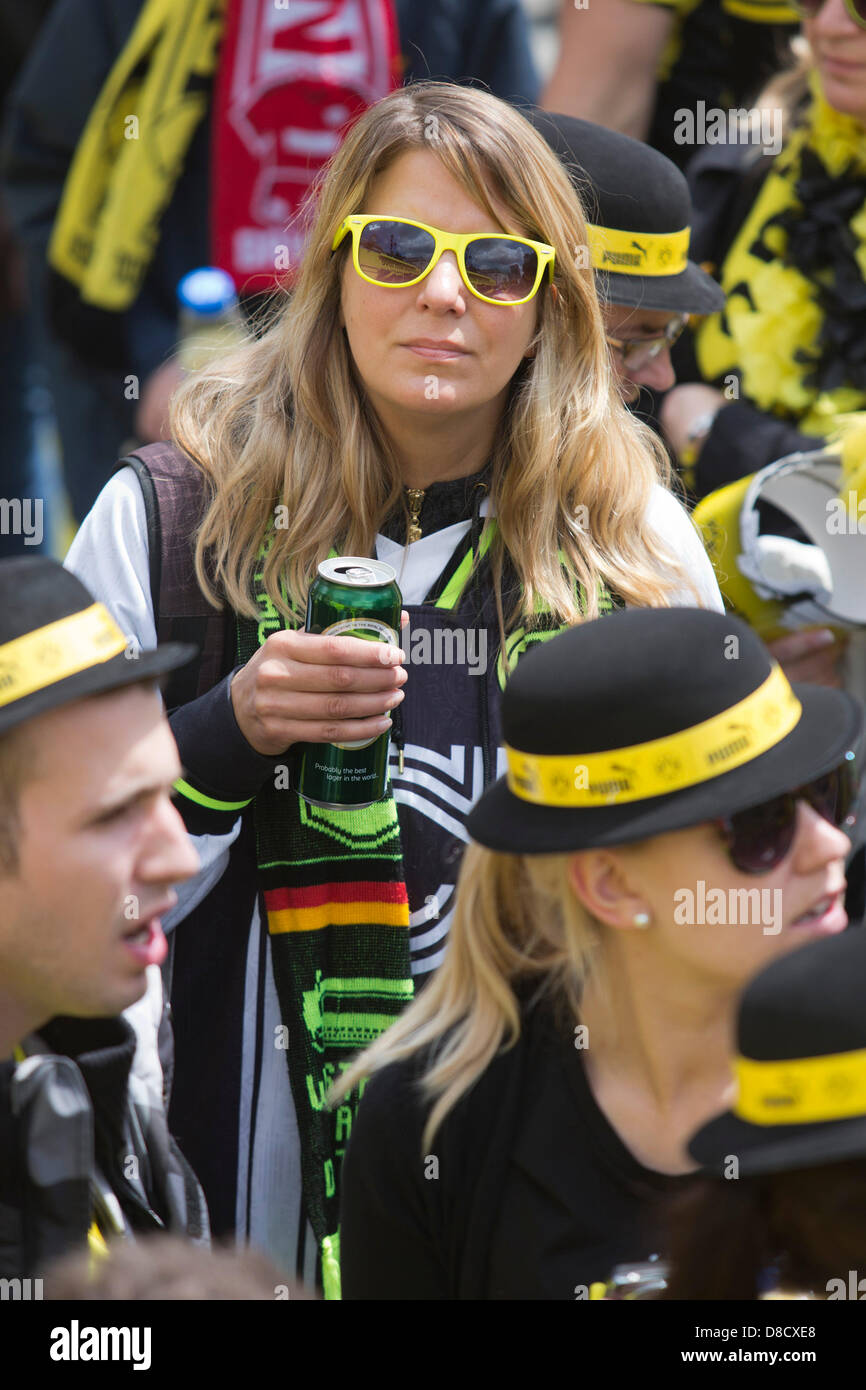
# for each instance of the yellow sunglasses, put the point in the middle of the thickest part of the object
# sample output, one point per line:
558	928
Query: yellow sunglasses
856	9
395	252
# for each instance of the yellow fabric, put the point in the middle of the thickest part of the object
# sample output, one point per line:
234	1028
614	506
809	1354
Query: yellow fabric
760	11
638	253
763	11
718	516
760	343
853	487
663	765
350	914
331	1286
132	151
56	651
802	1091
97	1247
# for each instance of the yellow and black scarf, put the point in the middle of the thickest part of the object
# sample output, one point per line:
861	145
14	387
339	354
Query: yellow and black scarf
795	282
132	150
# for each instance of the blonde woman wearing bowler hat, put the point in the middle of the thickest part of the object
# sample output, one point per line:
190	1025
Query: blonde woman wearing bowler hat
581	1023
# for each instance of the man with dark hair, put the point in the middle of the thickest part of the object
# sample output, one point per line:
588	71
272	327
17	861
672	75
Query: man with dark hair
90	848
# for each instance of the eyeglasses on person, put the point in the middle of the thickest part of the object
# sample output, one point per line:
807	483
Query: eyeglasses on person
759	838
395	252
637	353
856	9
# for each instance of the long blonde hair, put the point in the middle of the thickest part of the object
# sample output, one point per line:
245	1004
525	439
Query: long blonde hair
285	422
516	921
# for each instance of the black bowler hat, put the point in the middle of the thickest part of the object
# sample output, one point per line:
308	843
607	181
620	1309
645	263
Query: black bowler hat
800	1066
639	210
58	645
650	720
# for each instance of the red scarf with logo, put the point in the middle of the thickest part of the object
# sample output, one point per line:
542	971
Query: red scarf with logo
293	76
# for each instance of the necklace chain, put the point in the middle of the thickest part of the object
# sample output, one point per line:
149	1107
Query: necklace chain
415	498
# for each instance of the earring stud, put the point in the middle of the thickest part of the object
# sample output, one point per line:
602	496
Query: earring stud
641	919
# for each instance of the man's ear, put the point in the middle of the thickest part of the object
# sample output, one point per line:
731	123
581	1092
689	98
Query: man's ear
603	885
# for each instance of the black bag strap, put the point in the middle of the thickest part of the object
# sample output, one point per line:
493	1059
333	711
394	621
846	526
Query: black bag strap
154	529
175	498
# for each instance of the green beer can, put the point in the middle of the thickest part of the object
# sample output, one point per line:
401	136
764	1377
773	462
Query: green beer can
351	597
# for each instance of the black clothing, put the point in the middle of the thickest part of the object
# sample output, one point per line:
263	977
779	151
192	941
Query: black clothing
723	61
725	181
443	505
77	1124
532	1194
450	738
742	440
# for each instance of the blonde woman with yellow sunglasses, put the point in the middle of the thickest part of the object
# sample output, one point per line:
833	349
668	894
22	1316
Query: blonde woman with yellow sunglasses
437	393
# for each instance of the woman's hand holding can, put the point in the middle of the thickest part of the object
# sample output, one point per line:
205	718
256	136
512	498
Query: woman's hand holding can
301	687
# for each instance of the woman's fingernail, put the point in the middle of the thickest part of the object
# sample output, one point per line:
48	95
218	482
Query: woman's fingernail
391	656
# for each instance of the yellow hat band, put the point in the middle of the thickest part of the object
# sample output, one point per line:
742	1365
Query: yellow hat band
803	1091
736	736
638	253
764	11
50	654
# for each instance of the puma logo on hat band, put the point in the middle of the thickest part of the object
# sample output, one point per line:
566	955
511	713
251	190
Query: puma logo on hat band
801	1091
638	253
60	649
706	750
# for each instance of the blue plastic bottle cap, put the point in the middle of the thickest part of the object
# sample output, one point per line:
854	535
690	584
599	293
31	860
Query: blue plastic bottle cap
207	290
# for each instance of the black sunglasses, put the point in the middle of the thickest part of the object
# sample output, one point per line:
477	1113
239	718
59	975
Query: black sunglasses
759	838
